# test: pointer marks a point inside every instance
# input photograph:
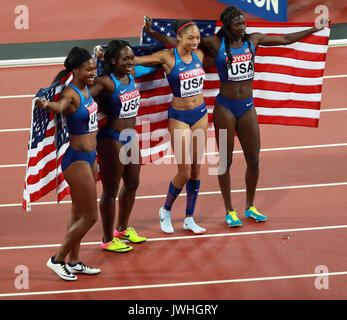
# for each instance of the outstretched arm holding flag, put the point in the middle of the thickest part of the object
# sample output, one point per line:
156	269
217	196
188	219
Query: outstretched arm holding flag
286	89
234	52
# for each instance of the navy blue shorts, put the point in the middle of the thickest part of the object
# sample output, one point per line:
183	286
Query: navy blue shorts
188	116
236	107
72	155
124	136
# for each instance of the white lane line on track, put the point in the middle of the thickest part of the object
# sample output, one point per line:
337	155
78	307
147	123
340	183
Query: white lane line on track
333	110
202	193
28	129
13	165
18	96
331	145
231	234
335	76
22	96
179	284
14	130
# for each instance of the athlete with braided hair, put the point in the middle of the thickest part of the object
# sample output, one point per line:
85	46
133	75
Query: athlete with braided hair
233	51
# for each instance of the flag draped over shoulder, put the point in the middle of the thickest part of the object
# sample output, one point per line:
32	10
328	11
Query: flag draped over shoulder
48	140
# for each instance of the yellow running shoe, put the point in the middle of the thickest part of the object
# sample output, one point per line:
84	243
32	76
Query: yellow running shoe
129	234
115	245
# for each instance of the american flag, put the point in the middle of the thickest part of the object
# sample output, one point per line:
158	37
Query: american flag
48	140
286	88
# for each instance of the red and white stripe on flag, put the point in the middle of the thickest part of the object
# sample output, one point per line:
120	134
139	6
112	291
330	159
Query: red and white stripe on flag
43	172
287	86
286	89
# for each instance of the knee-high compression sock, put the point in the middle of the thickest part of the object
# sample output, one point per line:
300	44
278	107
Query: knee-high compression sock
192	187
171	196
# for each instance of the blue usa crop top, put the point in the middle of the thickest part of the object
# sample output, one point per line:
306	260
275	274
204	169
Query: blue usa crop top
186	79
84	119
124	101
242	67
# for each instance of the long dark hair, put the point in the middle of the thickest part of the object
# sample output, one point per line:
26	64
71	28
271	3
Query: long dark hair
113	50
226	17
74	59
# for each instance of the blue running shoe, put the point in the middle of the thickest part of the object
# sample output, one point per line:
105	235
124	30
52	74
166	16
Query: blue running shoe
232	219
253	213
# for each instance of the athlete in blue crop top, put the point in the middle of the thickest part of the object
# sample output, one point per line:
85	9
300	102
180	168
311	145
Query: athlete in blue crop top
82	121
79	161
186	79
119	99
242	67
233	51
187	116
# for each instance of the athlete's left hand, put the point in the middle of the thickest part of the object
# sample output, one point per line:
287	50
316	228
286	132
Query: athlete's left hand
147	24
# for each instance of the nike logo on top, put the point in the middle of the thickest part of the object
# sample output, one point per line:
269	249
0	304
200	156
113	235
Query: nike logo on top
122	91
125	235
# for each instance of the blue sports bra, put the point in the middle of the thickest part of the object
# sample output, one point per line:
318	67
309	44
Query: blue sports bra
242	67
186	79
124	101
84	119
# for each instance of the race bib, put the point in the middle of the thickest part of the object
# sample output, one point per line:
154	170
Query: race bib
241	68
192	82
93	120
130	104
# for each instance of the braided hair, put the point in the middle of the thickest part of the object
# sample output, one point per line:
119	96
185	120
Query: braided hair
113	51
226	17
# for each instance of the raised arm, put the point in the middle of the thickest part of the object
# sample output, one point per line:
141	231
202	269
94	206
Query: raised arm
262	39
210	45
159	57
157	35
